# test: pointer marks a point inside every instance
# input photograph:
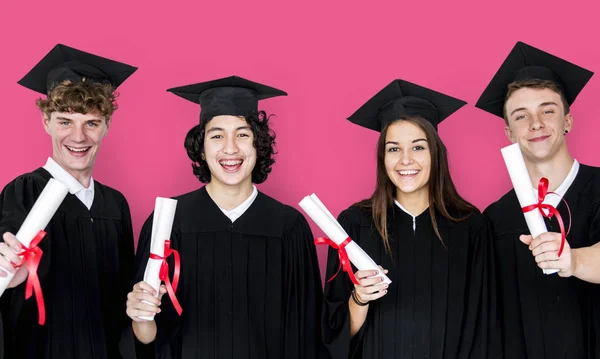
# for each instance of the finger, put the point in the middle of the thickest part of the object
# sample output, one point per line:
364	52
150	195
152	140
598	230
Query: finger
141	306
161	291
367	291
543	238
143	286
9	254
365	274
376	294
548	256
12	241
135	315
552	265
525	238
370	281
546	247
6	265
383	270
139	296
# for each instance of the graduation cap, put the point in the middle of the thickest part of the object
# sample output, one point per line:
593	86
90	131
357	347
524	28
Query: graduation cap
66	63
402	98
232	95
525	62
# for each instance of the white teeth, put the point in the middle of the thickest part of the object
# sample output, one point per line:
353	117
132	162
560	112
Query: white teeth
408	173
78	149
230	163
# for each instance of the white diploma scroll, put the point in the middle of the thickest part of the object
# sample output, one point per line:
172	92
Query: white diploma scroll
38	218
162	223
317	211
522	185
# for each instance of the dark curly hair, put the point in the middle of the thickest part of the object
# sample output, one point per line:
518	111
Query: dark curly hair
264	142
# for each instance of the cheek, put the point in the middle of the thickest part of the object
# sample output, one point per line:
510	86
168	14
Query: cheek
390	161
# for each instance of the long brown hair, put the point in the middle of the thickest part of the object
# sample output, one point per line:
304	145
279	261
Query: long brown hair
442	192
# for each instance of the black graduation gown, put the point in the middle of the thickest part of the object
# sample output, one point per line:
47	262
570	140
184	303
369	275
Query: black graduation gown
440	303
546	316
85	274
248	289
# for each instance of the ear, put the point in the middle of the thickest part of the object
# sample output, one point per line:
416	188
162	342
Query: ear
46	122
509	134
568	122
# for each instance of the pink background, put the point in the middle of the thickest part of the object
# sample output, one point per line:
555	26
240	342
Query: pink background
330	56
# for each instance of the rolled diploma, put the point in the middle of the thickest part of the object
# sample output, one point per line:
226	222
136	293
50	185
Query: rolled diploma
515	164
334	231
162	223
38	218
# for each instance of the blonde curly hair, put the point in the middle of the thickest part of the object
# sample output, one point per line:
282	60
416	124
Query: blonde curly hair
81	97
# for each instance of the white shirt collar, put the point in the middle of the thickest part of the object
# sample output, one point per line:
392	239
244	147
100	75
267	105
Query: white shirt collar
554	199
86	195
237	212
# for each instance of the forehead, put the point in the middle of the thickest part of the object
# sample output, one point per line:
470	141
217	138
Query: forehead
531	98
77	117
226	122
404	131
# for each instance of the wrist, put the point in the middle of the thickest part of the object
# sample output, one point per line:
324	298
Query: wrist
357	300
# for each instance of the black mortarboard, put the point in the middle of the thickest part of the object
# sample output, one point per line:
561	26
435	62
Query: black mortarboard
403	98
66	63
232	95
525	63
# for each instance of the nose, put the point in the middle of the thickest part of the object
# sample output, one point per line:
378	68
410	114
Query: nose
78	134
230	145
536	123
406	157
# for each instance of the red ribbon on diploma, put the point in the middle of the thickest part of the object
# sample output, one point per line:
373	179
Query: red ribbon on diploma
31	259
164	273
542	192
342	254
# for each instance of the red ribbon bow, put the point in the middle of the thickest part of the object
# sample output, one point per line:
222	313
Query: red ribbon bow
342	254
540	205
164	273
31	259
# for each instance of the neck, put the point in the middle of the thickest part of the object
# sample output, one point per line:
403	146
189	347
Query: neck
555	170
415	203
228	197
83	177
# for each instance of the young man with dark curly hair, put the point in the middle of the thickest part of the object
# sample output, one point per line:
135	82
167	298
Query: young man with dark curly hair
250	285
87	259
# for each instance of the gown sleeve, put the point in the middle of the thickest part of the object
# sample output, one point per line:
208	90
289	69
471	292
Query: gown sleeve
336	314
302	291
16	200
481	333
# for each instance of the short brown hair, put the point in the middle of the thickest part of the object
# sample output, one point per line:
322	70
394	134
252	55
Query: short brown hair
535	84
81	97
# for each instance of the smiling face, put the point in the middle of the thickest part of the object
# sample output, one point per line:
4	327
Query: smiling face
408	159
537	121
76	139
229	151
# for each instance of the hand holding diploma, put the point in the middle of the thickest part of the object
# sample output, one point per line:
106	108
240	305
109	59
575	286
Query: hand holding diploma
338	238
29	236
157	269
531	205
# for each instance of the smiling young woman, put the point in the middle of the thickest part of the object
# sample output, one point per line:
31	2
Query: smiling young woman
433	244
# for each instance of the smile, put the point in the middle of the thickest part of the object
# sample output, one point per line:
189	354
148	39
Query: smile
408	173
539	139
78	150
231	165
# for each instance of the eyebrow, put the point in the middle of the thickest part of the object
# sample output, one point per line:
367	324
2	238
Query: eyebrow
551	103
214	129
396	143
